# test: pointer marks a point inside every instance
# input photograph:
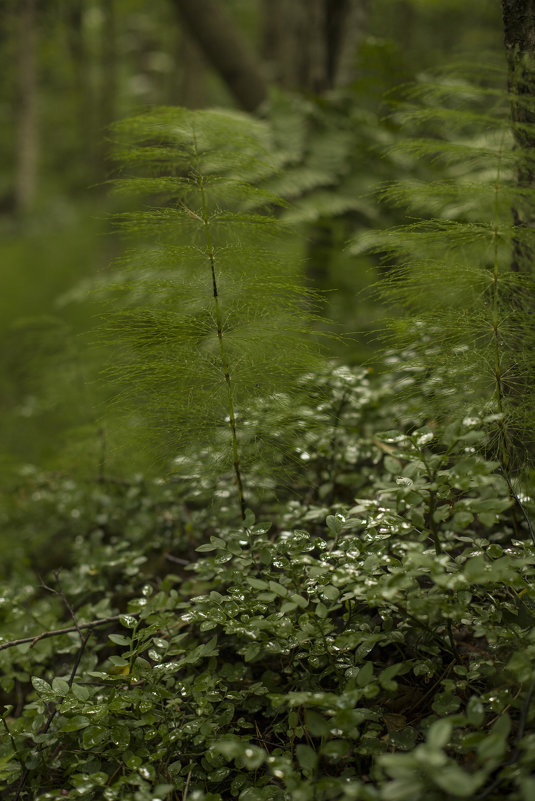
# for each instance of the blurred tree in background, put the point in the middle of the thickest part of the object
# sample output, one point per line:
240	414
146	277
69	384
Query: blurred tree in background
317	69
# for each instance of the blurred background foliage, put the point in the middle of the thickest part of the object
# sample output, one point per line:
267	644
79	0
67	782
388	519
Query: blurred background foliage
72	67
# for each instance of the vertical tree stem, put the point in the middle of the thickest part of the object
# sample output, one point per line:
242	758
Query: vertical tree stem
26	169
224	47
496	320
222	349
519	40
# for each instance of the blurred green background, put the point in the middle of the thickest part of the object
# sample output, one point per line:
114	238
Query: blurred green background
72	67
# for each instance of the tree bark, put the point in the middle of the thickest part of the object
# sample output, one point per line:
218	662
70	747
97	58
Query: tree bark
311	45
225	49
191	90
26	166
519	39
346	25
87	136
519	28
108	88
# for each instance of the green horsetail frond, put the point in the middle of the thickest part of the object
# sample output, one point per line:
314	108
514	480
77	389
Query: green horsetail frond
459	270
207	314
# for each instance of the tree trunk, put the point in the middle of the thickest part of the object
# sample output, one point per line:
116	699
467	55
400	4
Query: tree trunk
83	85
311	45
191	89
225	49
519	39
26	169
108	78
346	25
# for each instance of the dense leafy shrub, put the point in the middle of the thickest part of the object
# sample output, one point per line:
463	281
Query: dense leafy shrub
371	637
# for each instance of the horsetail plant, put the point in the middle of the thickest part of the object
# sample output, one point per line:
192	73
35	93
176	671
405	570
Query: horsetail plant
462	301
209	317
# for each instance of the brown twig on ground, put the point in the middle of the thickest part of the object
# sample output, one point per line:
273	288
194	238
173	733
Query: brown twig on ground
67	630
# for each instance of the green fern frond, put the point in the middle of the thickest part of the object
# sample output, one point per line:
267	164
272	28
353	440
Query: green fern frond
321	150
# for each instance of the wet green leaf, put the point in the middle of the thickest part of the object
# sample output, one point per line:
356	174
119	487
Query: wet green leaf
307	758
76	723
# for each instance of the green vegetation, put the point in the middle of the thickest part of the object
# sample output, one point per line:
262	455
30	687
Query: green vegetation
209	320
239	562
337	649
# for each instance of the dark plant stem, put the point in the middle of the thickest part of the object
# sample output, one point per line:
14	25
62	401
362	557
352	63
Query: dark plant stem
433	687
432	508
452	640
432	524
503	441
102	454
498	372
222	349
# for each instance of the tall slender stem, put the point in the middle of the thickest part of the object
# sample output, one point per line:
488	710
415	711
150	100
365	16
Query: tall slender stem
222	348
498	372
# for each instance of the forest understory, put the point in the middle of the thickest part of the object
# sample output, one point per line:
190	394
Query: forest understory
268	429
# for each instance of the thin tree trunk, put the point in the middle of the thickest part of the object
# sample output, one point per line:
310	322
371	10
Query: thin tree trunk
346	26
284	24
311	45
83	85
225	49
108	77
271	36
519	39
26	169
295	44
191	89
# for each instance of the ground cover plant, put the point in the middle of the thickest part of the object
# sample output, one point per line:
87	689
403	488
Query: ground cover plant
378	648
361	627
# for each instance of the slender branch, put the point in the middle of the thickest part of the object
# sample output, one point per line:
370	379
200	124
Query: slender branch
433	687
68	605
68	630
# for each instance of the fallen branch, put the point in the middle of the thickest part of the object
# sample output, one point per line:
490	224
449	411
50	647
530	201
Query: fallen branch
93	624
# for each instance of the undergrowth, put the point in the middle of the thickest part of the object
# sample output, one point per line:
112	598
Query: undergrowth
334	649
